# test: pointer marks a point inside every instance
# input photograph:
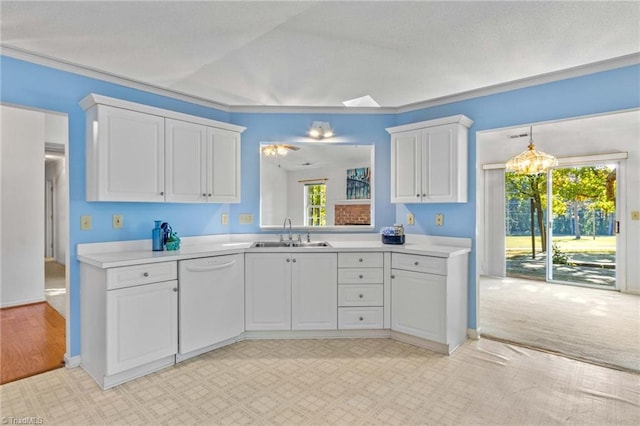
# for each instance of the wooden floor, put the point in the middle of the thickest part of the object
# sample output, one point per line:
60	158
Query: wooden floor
32	341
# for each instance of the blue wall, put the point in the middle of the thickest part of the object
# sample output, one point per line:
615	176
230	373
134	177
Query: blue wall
36	86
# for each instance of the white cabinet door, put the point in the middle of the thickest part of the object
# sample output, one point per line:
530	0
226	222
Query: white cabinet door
442	165
211	301
142	325
418	304
223	177
186	162
406	167
314	291
128	162
268	291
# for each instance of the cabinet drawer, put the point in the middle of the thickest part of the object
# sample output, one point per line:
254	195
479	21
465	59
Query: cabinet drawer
360	276
360	295
360	260
129	276
411	262
359	318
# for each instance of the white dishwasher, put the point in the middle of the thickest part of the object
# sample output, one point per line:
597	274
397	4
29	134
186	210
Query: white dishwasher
211	303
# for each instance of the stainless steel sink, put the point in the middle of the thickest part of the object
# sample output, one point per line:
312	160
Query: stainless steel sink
276	244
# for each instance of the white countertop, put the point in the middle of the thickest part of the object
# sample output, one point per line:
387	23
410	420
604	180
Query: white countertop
126	253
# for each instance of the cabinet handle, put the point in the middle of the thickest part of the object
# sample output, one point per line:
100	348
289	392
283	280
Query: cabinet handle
294	261
361	318
288	260
175	289
416	263
360	296
361	276
146	274
361	260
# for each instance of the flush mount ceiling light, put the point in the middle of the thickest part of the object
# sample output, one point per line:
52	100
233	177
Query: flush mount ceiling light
531	161
278	149
320	130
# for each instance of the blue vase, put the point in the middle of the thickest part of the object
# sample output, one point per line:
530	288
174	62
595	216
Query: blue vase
158	237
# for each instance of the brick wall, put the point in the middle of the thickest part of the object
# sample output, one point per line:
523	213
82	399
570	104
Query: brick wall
353	214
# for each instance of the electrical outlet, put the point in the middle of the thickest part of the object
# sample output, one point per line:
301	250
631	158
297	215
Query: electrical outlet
246	219
118	221
85	223
410	219
225	219
439	219
635	215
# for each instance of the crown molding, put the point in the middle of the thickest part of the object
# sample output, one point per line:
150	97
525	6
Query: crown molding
581	70
595	67
84	71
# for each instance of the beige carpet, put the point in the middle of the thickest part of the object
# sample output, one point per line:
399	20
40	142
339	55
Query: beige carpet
601	326
55	291
341	382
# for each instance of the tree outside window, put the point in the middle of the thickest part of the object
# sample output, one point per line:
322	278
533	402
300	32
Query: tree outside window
315	209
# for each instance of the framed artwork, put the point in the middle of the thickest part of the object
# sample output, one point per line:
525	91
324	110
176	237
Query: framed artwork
358	184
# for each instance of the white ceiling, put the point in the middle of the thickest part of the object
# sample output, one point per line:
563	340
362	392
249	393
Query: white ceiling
323	53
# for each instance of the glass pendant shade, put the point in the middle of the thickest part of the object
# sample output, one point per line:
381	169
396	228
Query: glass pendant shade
531	161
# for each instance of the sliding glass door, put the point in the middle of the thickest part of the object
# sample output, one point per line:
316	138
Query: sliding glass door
581	225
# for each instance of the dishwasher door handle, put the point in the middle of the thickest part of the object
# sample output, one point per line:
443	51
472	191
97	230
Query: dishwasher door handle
210	267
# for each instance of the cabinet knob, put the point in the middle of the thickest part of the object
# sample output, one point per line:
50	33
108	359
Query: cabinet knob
416	263
361	319
204	195
175	289
294	261
418	195
360	296
393	276
146	274
208	195
424	195
288	260
161	192
361	276
361	260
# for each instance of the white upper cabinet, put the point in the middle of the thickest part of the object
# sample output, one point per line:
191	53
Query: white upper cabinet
141	153
125	155
429	161
186	162
223	168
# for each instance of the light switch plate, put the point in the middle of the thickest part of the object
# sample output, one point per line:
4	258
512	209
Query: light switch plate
246	219
85	223
410	219
635	215
439	219
225	219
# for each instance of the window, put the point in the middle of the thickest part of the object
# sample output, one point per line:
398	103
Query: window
315	204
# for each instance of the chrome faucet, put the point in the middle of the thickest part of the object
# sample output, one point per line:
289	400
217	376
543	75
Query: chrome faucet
284	228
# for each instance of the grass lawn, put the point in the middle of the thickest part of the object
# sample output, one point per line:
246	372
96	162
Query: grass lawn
567	243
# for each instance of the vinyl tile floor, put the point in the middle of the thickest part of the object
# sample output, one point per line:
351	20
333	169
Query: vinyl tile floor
341	382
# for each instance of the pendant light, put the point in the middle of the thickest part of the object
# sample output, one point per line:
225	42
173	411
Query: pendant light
531	161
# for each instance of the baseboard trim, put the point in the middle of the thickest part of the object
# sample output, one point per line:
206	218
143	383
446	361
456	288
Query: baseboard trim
23	303
473	333
422	343
316	334
72	362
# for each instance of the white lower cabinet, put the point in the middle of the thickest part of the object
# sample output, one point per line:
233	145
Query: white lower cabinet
417	304
142	325
129	318
360	290
429	298
291	291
